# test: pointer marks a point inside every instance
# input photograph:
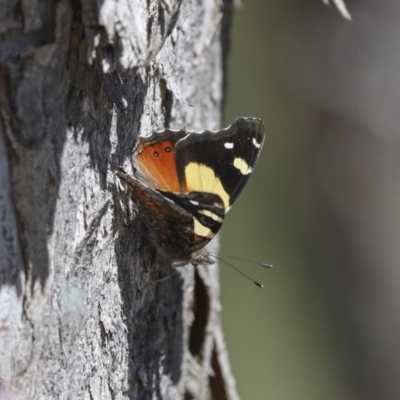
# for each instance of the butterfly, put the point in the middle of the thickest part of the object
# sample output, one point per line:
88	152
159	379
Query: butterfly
186	182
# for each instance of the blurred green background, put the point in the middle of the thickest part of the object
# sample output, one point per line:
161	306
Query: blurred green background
324	326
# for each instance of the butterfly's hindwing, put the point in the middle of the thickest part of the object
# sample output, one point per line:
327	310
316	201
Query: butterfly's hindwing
179	223
207	209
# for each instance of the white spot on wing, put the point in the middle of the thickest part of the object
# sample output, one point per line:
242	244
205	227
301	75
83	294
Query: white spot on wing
256	144
228	145
241	165
194	202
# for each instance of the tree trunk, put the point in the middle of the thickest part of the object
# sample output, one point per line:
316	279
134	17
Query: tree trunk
81	313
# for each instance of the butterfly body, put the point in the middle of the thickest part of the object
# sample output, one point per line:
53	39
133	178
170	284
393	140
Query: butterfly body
188	181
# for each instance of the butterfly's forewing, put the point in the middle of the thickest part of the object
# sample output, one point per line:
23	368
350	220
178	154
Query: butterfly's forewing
155	159
220	162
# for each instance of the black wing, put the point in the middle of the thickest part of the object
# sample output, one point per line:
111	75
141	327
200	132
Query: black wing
220	162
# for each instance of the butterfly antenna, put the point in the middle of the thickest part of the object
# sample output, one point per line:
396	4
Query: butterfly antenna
238	270
261	264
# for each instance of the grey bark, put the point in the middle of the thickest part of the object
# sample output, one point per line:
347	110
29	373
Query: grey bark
81	315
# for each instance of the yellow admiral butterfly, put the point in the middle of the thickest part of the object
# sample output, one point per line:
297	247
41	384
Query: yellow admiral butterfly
188	181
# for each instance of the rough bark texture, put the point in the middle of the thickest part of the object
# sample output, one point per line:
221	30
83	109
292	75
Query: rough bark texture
80	314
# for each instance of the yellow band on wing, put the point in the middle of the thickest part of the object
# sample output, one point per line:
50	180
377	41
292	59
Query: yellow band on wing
201	230
213	216
201	178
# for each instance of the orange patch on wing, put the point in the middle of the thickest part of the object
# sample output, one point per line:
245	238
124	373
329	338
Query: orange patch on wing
157	163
